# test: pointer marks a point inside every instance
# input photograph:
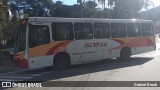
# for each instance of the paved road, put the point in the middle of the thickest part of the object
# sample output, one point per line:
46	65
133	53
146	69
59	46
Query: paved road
143	67
137	69
23	75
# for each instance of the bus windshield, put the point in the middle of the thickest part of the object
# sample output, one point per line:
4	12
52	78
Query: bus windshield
20	39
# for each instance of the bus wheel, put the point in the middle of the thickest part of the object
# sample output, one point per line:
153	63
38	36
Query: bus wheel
61	62
125	54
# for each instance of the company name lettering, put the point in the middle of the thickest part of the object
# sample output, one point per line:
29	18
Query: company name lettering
95	44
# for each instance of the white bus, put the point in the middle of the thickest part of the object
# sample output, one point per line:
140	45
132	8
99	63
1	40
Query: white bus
61	42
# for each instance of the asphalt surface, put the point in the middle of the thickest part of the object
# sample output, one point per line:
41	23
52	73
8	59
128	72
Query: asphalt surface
142	67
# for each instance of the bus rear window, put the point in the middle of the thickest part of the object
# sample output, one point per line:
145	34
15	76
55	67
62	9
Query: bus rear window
38	35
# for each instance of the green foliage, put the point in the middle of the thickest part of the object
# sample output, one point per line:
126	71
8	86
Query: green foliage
84	8
111	8
32	7
2	18
128	8
90	9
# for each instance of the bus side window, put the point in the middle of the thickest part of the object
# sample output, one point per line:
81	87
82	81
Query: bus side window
146	29
38	35
101	30
118	30
62	31
83	31
133	29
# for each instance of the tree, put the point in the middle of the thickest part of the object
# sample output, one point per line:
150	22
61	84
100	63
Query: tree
103	3
14	21
37	8
3	19
57	5
40	7
90	9
125	8
74	11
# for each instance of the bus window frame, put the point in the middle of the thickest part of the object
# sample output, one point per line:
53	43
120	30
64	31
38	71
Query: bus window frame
126	34
48	27
52	31
151	30
138	25
103	24
92	31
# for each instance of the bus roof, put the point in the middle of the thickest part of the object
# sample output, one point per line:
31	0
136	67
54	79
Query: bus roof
59	19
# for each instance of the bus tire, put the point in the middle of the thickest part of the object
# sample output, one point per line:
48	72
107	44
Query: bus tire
125	54
61	61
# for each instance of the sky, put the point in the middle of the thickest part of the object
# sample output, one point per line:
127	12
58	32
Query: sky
72	2
67	2
156	2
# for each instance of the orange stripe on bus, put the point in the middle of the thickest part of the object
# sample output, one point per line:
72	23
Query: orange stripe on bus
56	49
134	42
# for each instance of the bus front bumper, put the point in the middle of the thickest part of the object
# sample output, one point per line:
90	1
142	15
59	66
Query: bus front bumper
21	63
